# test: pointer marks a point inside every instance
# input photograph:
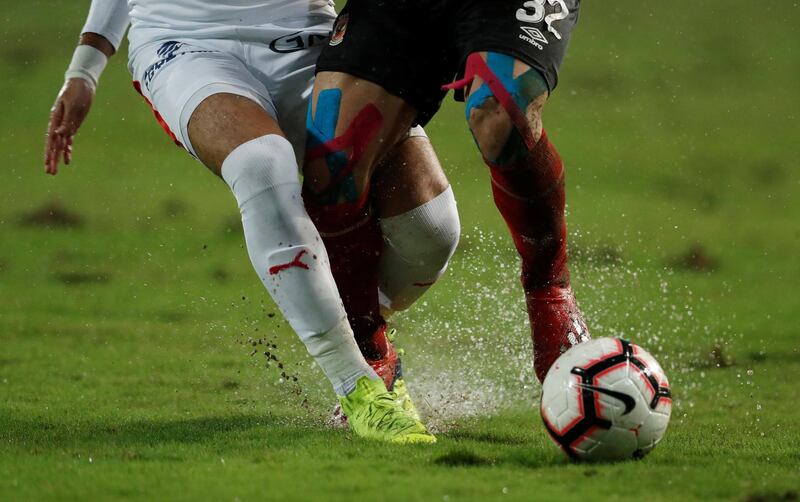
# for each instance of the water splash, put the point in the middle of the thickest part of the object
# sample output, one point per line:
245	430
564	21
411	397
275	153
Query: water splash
468	340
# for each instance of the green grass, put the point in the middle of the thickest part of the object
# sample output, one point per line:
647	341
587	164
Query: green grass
125	366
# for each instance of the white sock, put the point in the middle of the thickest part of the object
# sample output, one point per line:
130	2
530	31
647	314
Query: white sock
289	257
417	246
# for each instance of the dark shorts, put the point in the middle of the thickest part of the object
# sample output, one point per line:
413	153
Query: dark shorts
413	47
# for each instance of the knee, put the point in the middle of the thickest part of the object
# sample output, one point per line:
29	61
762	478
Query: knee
491	127
427	236
500	138
258	165
417	248
439	239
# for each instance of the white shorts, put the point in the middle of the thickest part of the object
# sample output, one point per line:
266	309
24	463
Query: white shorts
175	76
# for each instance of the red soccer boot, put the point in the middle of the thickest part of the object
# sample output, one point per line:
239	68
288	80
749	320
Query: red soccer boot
387	366
556	324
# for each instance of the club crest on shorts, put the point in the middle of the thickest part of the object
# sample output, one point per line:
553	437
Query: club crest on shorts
339	29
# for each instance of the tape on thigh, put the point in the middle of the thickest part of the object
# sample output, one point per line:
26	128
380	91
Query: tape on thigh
497	73
340	153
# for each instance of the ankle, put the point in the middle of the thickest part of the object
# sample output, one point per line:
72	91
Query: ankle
373	342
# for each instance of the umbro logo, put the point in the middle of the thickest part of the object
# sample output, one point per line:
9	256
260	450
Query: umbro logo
533	36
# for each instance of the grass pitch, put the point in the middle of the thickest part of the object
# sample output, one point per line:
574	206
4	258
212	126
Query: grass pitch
129	313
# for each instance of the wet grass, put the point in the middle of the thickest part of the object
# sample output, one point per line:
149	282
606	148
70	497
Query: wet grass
129	313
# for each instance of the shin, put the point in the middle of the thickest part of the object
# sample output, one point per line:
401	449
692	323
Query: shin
504	114
345	141
418	218
290	260
527	174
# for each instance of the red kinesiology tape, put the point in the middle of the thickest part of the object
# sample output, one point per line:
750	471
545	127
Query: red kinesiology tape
359	134
476	66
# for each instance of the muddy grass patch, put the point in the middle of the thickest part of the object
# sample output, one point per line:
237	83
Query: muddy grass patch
230	384
174	207
82	278
715	356
171	316
772	496
463	458
52	214
232	226
694	259
220	275
768	173
21	55
703	198
600	254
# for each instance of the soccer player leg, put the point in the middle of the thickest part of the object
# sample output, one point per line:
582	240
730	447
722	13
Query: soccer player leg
290	259
209	103
225	117
238	140
351	124
418	219
504	110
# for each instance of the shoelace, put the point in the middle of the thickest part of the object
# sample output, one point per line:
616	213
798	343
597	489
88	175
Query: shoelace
382	413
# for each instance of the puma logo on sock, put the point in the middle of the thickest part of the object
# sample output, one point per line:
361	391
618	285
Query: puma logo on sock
292	264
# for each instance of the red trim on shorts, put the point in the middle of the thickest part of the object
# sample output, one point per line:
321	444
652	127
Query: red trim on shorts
159	118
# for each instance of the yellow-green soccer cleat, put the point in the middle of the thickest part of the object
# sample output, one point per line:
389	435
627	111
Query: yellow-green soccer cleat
390	369
375	413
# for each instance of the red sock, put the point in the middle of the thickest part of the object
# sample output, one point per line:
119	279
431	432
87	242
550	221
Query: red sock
530	195
353	240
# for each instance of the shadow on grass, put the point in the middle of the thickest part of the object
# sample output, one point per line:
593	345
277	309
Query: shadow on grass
222	432
482	445
487	437
526	459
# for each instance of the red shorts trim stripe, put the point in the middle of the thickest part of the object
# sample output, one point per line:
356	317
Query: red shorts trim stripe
159	118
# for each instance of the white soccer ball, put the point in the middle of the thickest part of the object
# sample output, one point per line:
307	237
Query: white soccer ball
606	399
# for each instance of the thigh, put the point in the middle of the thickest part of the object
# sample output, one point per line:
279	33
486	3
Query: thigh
176	77
352	123
222	122
285	62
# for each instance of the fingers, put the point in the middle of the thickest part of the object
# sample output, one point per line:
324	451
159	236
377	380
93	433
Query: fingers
54	141
48	144
68	113
55	153
68	150
73	117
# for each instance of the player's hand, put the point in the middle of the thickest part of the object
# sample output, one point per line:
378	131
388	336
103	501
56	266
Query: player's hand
68	113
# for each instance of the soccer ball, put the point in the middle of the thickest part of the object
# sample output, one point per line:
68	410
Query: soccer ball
606	399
